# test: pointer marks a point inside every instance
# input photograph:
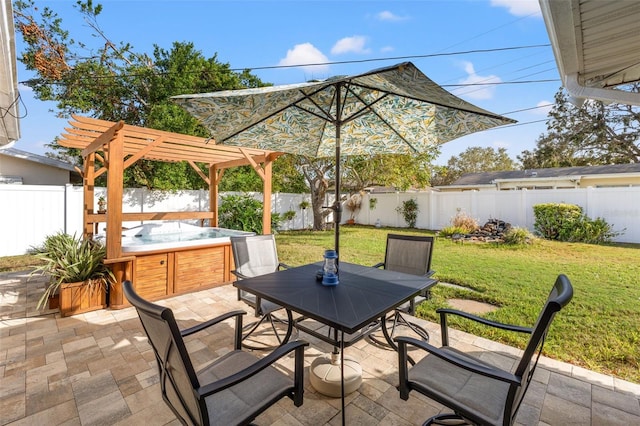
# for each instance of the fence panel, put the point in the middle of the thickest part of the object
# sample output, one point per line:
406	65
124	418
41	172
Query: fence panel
31	212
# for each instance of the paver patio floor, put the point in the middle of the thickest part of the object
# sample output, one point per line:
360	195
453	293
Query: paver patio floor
97	369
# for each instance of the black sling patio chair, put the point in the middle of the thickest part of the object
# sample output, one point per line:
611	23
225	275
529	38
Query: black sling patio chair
478	393
410	254
232	389
253	256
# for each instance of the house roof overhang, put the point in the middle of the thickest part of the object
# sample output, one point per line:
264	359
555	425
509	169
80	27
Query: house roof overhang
9	121
597	47
92	135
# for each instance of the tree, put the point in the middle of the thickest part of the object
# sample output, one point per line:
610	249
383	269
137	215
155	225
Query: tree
319	174
398	170
592	134
113	82
474	159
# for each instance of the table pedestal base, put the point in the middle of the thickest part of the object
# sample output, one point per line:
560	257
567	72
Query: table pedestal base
325	375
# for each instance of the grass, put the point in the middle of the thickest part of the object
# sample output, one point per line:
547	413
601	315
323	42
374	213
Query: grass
598	330
19	263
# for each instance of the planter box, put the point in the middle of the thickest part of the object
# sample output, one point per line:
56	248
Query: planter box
77	298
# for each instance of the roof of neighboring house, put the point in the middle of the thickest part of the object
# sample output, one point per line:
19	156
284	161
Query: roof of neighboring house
596	45
486	178
24	155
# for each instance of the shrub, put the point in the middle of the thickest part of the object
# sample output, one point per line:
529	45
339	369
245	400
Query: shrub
465	222
244	213
450	231
566	222
518	236
409	210
241	212
591	231
553	220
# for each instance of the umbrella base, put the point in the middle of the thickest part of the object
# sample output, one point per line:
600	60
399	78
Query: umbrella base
324	375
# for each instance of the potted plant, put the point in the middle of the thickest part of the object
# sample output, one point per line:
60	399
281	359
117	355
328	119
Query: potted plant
373	201
304	204
353	204
77	273
102	204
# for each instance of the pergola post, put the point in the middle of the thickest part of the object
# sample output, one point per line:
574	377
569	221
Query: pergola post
266	192
115	183
215	175
88	185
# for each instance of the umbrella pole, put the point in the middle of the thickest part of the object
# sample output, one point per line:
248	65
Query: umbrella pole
337	206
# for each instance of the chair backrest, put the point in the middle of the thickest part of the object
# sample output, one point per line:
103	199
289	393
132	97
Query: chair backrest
255	255
177	376
410	254
560	295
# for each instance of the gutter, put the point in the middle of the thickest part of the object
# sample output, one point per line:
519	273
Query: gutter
580	92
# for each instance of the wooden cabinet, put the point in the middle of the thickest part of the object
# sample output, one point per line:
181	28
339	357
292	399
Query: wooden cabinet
152	273
196	269
158	275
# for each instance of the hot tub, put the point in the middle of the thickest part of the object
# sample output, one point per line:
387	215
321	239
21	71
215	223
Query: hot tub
172	235
169	258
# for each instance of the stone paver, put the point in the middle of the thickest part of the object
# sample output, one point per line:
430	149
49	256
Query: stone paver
97	369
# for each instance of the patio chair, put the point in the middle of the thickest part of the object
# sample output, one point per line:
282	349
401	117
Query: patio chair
232	389
253	256
410	254
478	392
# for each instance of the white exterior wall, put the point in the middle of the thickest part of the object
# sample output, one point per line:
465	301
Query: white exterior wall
33	173
28	213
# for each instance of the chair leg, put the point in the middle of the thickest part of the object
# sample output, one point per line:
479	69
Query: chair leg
253	326
399	320
448	419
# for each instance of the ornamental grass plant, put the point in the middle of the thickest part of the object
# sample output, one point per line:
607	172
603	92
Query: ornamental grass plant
70	259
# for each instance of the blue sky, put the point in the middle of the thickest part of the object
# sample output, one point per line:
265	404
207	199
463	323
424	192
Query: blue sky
372	34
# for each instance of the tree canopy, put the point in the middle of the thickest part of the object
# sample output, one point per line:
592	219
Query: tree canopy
474	159
592	134
113	82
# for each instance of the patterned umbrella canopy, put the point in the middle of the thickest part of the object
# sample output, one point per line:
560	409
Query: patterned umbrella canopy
392	110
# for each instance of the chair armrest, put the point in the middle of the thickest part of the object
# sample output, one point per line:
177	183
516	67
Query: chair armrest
477	368
209	323
283	350
378	265
444	328
238	274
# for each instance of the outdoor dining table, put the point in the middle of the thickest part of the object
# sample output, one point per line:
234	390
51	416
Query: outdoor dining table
363	296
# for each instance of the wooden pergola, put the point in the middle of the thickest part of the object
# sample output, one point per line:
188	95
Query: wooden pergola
117	146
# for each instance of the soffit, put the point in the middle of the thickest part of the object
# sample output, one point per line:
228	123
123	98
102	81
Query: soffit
595	42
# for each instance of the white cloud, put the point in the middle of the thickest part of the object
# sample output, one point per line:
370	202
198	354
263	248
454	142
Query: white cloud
519	7
480	91
388	16
543	108
387	49
355	44
306	53
24	88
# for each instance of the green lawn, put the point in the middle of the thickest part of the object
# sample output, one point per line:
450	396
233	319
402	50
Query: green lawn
599	329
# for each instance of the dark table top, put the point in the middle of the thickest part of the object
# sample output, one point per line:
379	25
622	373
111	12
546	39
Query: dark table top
363	295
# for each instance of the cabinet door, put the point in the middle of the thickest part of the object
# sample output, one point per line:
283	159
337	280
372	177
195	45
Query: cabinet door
199	268
152	275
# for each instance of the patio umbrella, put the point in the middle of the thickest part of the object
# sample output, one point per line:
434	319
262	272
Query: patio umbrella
391	110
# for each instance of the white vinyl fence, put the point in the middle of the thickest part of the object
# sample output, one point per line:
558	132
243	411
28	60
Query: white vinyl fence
29	213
